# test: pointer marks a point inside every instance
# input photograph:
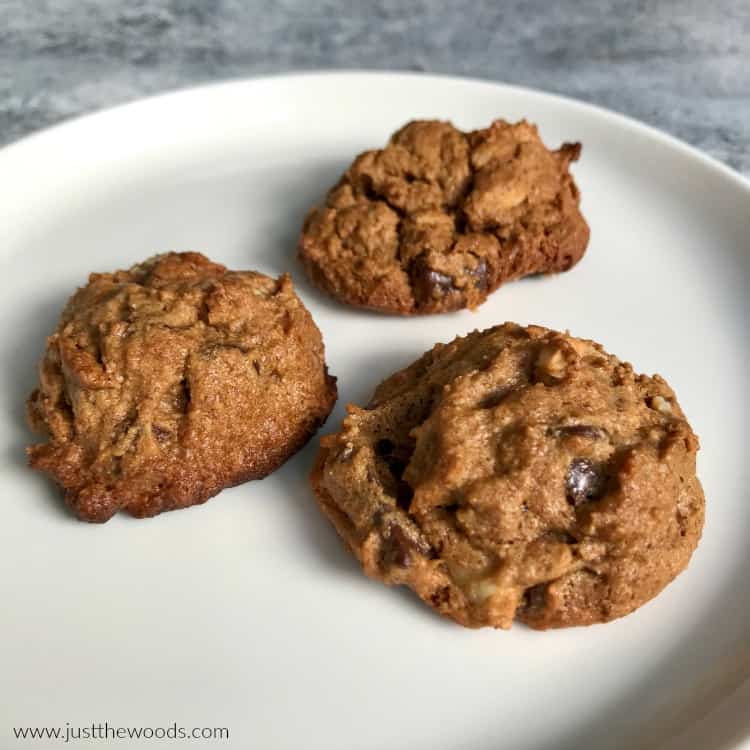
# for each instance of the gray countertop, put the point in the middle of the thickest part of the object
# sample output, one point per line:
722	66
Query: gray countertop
681	65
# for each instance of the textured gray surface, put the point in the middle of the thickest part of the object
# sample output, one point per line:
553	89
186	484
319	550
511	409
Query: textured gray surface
682	65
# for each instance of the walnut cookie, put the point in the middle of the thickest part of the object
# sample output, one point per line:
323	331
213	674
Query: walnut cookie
167	382
439	219
517	473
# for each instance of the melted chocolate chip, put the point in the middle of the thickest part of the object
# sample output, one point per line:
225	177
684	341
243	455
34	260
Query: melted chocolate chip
535	597
480	276
585	482
428	283
398	547
437	283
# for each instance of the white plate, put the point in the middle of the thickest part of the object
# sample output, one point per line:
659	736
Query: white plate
246	612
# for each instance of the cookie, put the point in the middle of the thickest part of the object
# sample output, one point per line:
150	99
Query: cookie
167	382
517	473
439	219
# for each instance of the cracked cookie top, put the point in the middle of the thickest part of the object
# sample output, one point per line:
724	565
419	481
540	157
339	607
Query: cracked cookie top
165	383
438	219
517	473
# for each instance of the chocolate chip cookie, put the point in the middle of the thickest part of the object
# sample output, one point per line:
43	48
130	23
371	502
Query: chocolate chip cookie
439	219
517	473
167	382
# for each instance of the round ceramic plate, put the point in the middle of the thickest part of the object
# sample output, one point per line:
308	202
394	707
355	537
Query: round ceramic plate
246	613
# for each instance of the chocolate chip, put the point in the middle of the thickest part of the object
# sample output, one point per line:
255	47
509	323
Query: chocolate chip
585	482
534	598
480	276
579	430
437	283
398	547
428	283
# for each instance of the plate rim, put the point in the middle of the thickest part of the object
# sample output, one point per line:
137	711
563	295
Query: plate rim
28	142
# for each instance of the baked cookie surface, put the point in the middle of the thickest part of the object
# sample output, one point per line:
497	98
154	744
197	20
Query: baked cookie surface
517	473
439	218
167	382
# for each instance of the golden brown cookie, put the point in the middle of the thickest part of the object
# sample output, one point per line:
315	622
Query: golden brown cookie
439	219
517	473
166	383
